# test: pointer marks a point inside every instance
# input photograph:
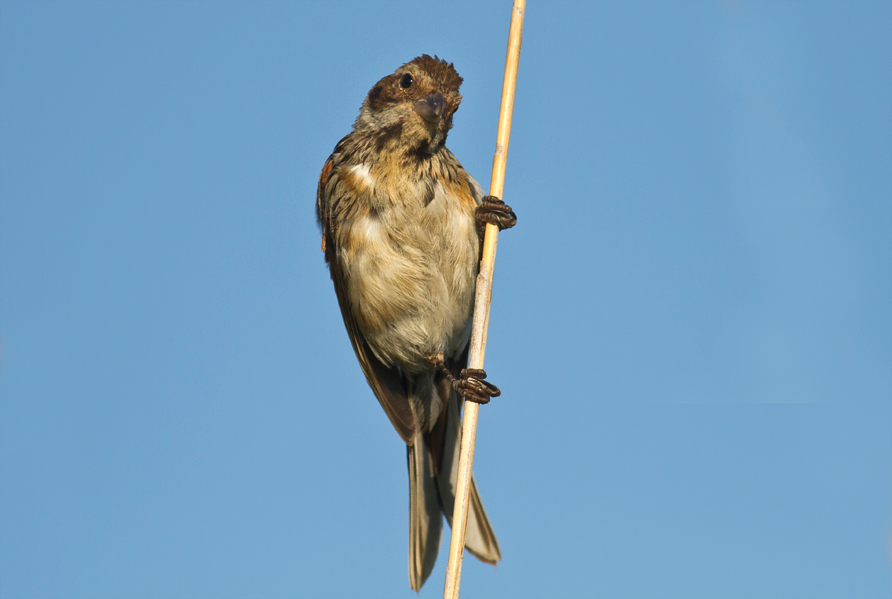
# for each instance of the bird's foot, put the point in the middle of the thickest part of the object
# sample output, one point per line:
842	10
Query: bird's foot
473	387
495	211
470	384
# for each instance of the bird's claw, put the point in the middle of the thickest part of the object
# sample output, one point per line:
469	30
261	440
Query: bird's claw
473	387
495	211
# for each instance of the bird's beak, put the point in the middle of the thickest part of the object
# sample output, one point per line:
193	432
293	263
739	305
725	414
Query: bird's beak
431	108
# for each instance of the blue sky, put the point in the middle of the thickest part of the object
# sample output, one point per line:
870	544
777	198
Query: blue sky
691	322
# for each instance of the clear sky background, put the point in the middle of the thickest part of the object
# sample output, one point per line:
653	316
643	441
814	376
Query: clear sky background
692	321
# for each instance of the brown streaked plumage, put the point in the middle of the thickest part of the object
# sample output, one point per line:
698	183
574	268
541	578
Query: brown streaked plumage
400	222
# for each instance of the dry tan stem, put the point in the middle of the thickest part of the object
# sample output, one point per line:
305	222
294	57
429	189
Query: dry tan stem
481	306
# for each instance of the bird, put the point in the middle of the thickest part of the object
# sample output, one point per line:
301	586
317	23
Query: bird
402	227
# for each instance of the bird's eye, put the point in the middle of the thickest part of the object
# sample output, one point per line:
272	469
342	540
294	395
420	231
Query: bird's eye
406	81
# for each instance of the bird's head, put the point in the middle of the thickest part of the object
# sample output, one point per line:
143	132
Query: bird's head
412	109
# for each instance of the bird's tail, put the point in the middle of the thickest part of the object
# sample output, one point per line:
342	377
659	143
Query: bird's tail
433	472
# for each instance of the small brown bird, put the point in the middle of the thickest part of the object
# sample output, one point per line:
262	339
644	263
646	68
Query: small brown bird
402	231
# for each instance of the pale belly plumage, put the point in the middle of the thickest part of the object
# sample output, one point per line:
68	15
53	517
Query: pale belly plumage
418	265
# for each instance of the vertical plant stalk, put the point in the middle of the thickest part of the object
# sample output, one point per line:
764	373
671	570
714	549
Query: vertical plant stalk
481	306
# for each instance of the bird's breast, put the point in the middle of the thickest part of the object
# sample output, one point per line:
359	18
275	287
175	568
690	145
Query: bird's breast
410	266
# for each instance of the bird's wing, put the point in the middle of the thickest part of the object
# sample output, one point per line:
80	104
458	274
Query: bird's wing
386	381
